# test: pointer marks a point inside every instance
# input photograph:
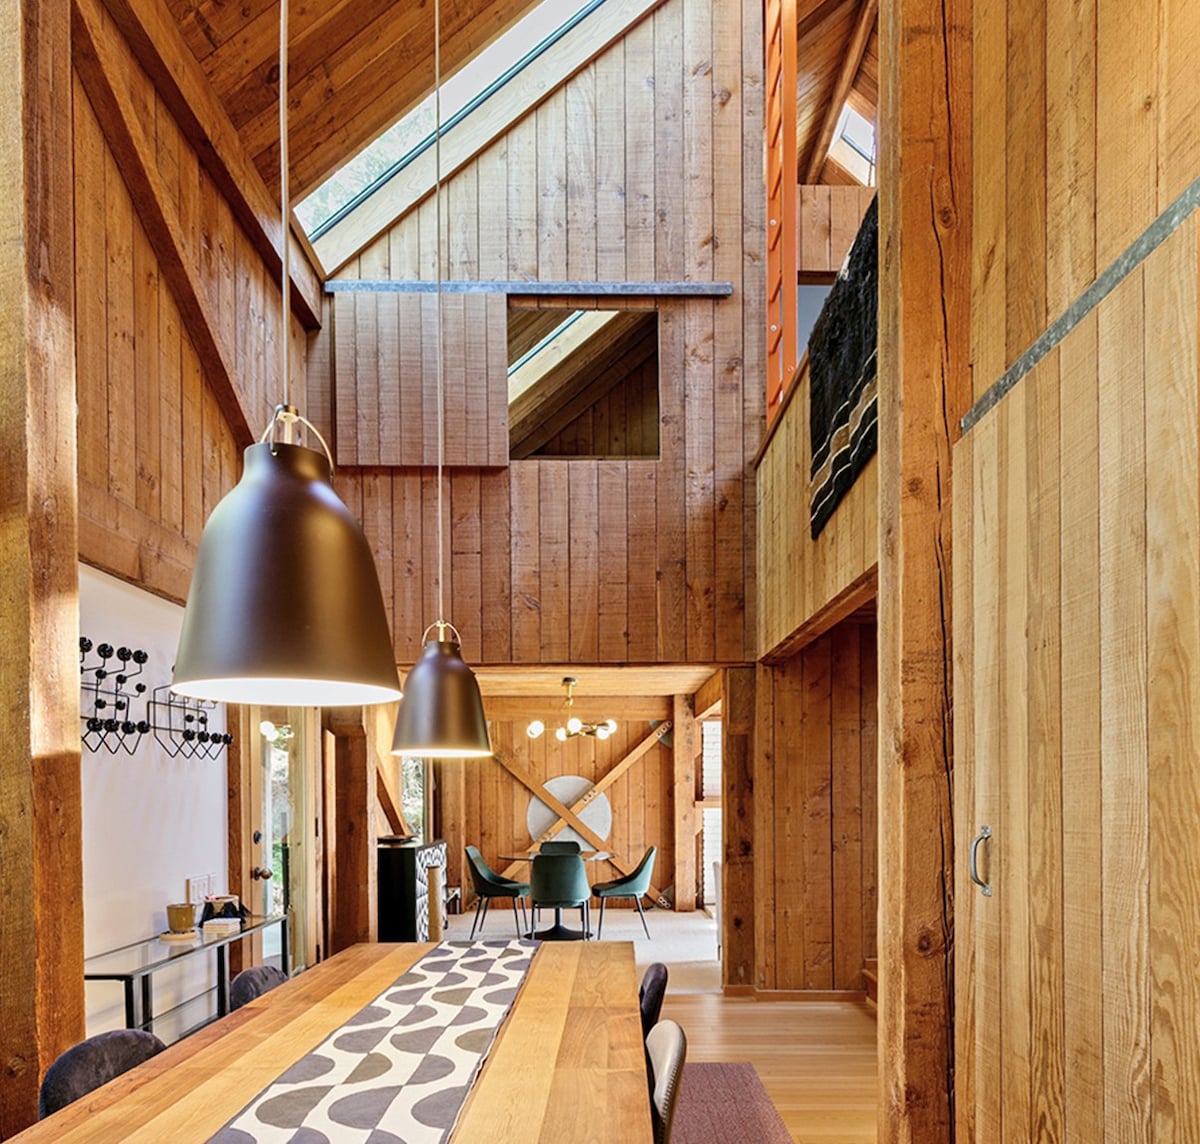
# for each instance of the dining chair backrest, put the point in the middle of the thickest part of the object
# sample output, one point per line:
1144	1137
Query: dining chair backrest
559	879
666	1046
483	877
563	847
639	881
254	982
91	1063
651	994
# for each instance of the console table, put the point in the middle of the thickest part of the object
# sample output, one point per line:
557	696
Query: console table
136	964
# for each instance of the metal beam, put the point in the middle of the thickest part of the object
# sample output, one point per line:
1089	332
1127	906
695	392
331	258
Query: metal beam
517	286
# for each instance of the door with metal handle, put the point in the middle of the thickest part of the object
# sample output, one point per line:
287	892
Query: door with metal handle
985	832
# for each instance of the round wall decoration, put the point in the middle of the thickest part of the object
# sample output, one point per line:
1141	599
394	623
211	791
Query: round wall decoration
597	815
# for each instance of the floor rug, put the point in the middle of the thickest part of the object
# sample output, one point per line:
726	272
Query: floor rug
725	1104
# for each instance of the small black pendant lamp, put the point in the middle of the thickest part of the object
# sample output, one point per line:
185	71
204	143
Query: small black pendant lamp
441	715
284	607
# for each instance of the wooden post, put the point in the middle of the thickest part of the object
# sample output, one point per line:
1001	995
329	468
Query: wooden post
41	859
737	819
353	915
685	751
924	388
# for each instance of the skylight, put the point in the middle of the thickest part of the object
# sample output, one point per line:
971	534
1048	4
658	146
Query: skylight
854	146
469	86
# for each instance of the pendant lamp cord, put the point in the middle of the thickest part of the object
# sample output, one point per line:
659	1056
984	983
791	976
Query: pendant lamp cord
284	211
441	377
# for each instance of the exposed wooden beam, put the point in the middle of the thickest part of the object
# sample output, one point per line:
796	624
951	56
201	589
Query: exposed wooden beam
158	45
863	26
740	759
41	854
925	387
584	328
484	125
815	14
524	286
568	817
101	57
706	702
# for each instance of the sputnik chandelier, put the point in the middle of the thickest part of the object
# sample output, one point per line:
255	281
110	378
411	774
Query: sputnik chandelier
574	725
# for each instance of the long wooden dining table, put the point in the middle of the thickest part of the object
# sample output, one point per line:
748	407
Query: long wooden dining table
567	1064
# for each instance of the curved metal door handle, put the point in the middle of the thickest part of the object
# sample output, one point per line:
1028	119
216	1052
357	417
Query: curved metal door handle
985	887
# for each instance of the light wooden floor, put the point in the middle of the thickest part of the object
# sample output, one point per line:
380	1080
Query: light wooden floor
816	1059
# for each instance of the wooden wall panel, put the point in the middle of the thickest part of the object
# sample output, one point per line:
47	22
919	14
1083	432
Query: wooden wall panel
1081	750
808	585
827	219
815	788
685	134
156	454
492	815
1084	132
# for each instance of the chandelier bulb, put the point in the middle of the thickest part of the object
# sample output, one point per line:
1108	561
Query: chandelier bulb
535	729
561	734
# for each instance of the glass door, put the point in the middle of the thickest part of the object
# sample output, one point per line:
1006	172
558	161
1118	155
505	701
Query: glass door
283	841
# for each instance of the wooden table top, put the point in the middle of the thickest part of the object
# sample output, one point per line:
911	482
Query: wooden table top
568	1063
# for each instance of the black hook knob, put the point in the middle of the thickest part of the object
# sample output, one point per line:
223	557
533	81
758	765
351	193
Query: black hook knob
105	651
124	654
85	644
140	656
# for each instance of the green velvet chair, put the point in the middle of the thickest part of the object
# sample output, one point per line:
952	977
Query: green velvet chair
560	882
633	886
488	885
560	847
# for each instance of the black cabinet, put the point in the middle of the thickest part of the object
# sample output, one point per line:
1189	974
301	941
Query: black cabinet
403	866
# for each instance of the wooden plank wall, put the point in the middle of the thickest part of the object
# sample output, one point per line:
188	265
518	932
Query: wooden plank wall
155	452
827	219
805	584
385	369
1079	584
489	807
646	165
1085	129
815	842
621	423
1075	585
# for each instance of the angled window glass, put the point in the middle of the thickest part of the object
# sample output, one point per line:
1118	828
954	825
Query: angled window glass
461	92
583	383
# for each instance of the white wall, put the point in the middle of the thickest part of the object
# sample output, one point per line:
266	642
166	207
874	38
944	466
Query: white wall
150	821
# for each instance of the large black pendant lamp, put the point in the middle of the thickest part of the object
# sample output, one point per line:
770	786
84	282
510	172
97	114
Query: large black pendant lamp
284	607
441	714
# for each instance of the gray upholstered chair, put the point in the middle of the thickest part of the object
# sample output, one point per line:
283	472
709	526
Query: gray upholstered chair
651	994
91	1063
253	982
633	886
488	885
666	1048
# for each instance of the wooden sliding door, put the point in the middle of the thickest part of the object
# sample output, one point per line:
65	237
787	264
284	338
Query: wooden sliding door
1077	701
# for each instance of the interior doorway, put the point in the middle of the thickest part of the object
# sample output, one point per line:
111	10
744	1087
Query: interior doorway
281	874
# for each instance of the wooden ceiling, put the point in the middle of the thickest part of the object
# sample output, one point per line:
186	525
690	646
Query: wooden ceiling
827	40
354	68
357	66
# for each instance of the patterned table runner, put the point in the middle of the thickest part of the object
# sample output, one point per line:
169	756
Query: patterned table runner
399	1070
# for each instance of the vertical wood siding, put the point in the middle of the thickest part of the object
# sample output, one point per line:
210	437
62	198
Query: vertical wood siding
800	578
815	876
1078	596
155	452
676	138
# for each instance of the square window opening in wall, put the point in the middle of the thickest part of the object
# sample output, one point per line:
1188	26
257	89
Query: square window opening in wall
583	384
